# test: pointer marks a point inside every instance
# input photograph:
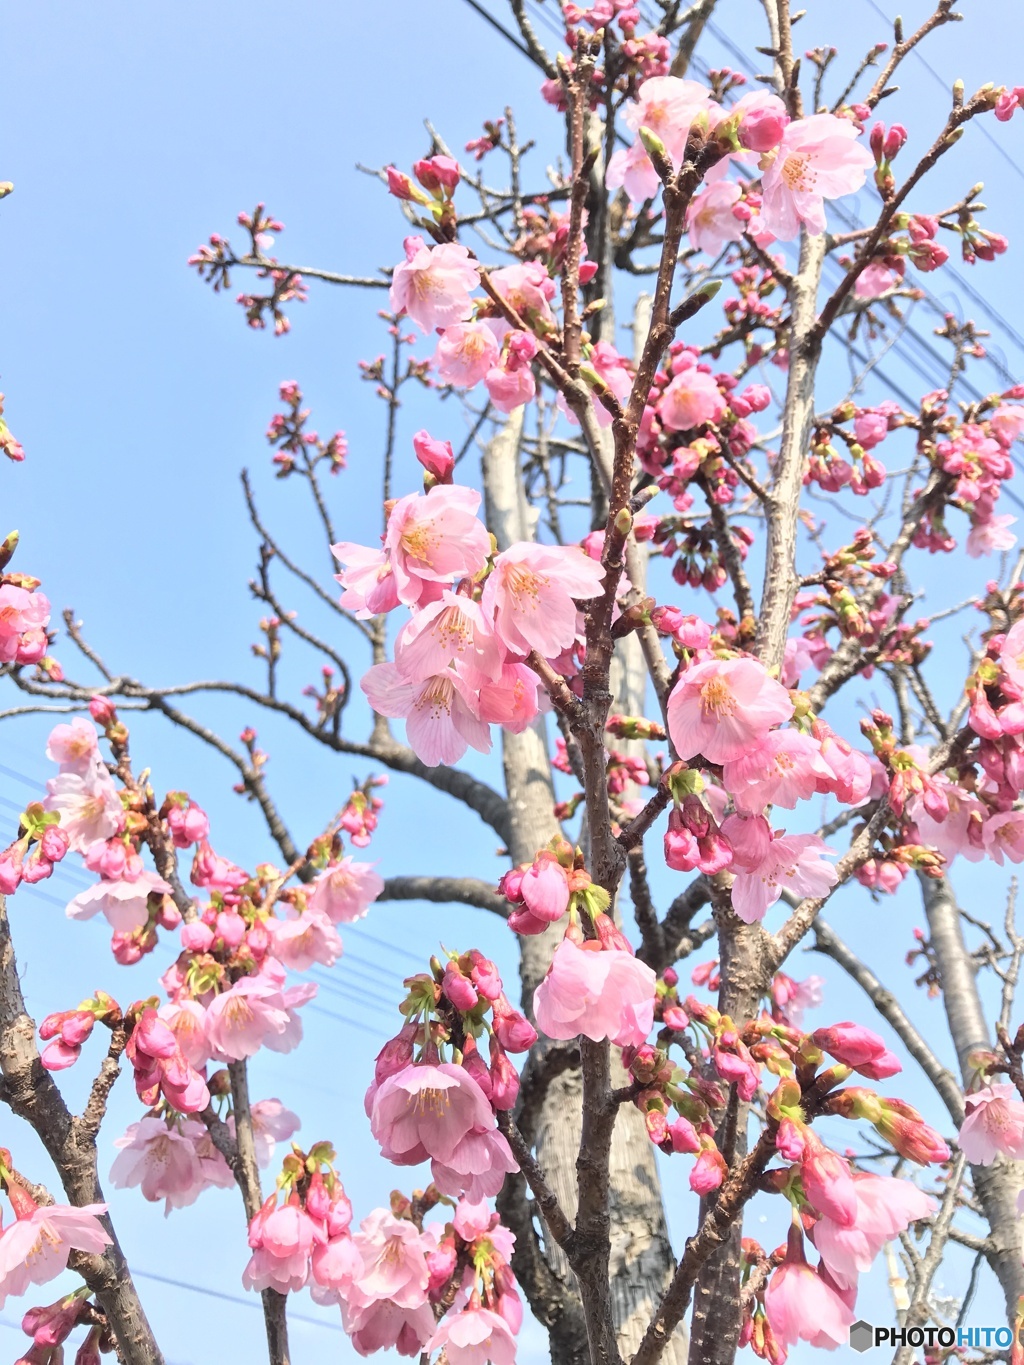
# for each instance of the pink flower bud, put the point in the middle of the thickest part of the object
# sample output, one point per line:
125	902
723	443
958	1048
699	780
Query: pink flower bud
197	937
514	1031
709	1170
436	457
102	710
683	1136
399	183
54	843
231	927
458	988
504	1078
437	173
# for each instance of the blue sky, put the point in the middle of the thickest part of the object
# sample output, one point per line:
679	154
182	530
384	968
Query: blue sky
132	133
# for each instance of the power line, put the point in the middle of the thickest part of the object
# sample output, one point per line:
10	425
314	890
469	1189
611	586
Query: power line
233	1298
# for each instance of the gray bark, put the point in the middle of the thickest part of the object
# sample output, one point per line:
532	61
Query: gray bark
641	1257
998	1185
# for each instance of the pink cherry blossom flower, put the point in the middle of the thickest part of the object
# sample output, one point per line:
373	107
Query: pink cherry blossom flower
990	535
818	158
691	400
545	888
785	767
240	1020
761	120
161	1068
392	1251
453	629
528	289
465	352
271	1123
1011	654
433	283
667	106
160	1160
441	712
722	708
711	223
88	805
994	1125
186	1019
531	595
513	700
801	1306
381	1325
477	1167
1003	836
599	993
73	746
336	1265
828	1183
22	613
426	1110
124	904
473	1337
511	383
1007	422
281	1240
34	1249
795	861
345	890
368	580
885	1207
303	939
633	170
856	1046
435	537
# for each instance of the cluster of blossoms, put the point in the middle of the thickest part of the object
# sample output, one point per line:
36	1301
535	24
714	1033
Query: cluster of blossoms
848	1214
24	615
422	1107
400	1284
461	661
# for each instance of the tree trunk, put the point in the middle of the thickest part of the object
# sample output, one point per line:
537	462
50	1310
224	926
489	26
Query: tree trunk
641	1257
998	1185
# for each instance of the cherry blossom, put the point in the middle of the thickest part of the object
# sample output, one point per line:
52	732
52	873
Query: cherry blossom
818	158
474	1337
602	993
124	904
465	353
994	1125
531	595
433	283
434	538
721	708
345	890
441	712
35	1247
802	1306
795	861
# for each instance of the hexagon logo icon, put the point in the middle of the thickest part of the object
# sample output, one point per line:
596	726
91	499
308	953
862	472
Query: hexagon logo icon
862	1335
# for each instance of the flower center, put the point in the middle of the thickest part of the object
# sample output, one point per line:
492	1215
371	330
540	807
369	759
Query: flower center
716	699
795	172
453	630
437	696
523	586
